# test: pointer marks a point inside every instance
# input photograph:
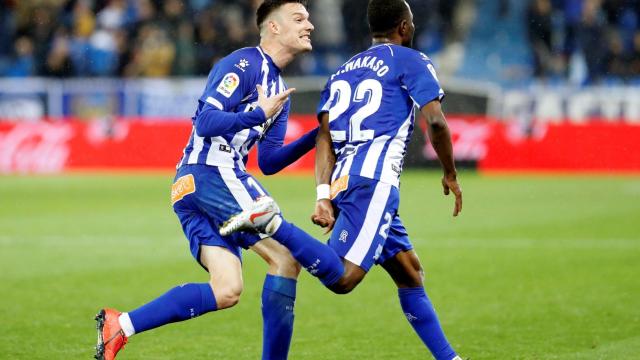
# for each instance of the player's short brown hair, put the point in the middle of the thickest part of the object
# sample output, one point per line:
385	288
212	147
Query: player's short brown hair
269	6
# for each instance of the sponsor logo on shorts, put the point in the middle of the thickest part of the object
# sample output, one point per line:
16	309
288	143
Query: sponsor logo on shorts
343	236
339	185
229	84
184	186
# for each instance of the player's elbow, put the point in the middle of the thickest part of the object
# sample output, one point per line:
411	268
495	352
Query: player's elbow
202	130
266	166
436	122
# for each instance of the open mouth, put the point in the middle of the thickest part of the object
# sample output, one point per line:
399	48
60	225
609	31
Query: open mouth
306	37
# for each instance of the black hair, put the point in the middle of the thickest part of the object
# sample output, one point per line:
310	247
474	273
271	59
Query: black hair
385	15
269	6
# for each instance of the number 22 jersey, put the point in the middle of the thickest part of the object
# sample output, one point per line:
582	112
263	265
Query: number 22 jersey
371	103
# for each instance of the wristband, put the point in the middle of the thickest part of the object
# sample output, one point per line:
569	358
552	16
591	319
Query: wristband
323	191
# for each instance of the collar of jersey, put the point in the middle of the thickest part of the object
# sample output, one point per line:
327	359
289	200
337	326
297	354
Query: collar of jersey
269	59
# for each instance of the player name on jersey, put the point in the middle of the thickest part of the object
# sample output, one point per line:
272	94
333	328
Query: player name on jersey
371	62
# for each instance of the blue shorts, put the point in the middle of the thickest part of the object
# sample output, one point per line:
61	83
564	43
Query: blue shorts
368	229
205	196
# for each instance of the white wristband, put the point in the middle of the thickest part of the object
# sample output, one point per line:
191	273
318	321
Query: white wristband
323	191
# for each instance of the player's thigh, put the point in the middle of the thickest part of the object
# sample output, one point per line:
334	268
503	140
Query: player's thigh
365	211
215	193
225	274
278	257
398	257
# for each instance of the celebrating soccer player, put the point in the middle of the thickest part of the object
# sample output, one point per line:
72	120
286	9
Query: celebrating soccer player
245	102
367	114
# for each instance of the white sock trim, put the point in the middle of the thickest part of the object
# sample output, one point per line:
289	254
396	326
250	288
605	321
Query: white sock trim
273	225
126	324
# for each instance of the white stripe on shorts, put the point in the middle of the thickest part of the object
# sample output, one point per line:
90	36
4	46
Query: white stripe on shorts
369	229
236	187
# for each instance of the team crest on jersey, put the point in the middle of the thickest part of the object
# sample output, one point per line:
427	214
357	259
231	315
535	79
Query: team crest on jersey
229	84
184	186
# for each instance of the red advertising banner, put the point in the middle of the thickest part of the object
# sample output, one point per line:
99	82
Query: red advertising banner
156	144
123	144
596	146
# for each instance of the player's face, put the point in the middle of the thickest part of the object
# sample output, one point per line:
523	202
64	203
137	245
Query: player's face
295	27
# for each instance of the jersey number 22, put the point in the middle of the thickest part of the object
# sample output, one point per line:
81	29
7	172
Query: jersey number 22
341	90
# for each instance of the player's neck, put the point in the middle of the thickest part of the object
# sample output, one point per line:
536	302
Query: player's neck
280	55
379	40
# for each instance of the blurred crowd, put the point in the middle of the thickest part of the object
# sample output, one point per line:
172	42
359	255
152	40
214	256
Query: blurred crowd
133	38
600	38
159	38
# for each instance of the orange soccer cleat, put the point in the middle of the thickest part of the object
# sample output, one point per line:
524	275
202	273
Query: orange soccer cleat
111	338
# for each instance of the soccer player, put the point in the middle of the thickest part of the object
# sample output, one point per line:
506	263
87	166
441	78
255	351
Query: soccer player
245	102
367	114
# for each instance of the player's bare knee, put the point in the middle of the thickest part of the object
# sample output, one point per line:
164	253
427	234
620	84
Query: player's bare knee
227	295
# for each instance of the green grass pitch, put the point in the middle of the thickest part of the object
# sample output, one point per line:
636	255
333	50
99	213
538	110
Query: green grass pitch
535	268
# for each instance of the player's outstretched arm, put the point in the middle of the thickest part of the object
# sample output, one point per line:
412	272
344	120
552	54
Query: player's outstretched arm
440	138
325	160
273	155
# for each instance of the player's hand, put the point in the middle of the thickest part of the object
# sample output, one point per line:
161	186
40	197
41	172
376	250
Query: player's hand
323	215
271	105
450	184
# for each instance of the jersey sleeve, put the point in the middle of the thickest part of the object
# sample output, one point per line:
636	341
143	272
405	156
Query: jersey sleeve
232	79
420	79
273	155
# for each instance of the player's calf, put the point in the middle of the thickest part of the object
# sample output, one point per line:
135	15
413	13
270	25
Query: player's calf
405	269
279	259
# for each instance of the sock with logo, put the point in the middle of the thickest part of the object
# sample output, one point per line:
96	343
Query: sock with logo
422	317
319	259
180	303
278	298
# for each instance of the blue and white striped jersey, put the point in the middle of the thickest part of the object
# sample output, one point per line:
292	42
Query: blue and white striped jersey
231	87
371	101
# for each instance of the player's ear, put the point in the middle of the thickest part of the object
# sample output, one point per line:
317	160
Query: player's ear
273	27
403	28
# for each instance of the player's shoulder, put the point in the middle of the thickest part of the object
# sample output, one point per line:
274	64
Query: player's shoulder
243	60
404	53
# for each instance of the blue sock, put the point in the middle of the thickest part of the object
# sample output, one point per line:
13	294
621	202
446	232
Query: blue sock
319	259
180	303
420	313
278	297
